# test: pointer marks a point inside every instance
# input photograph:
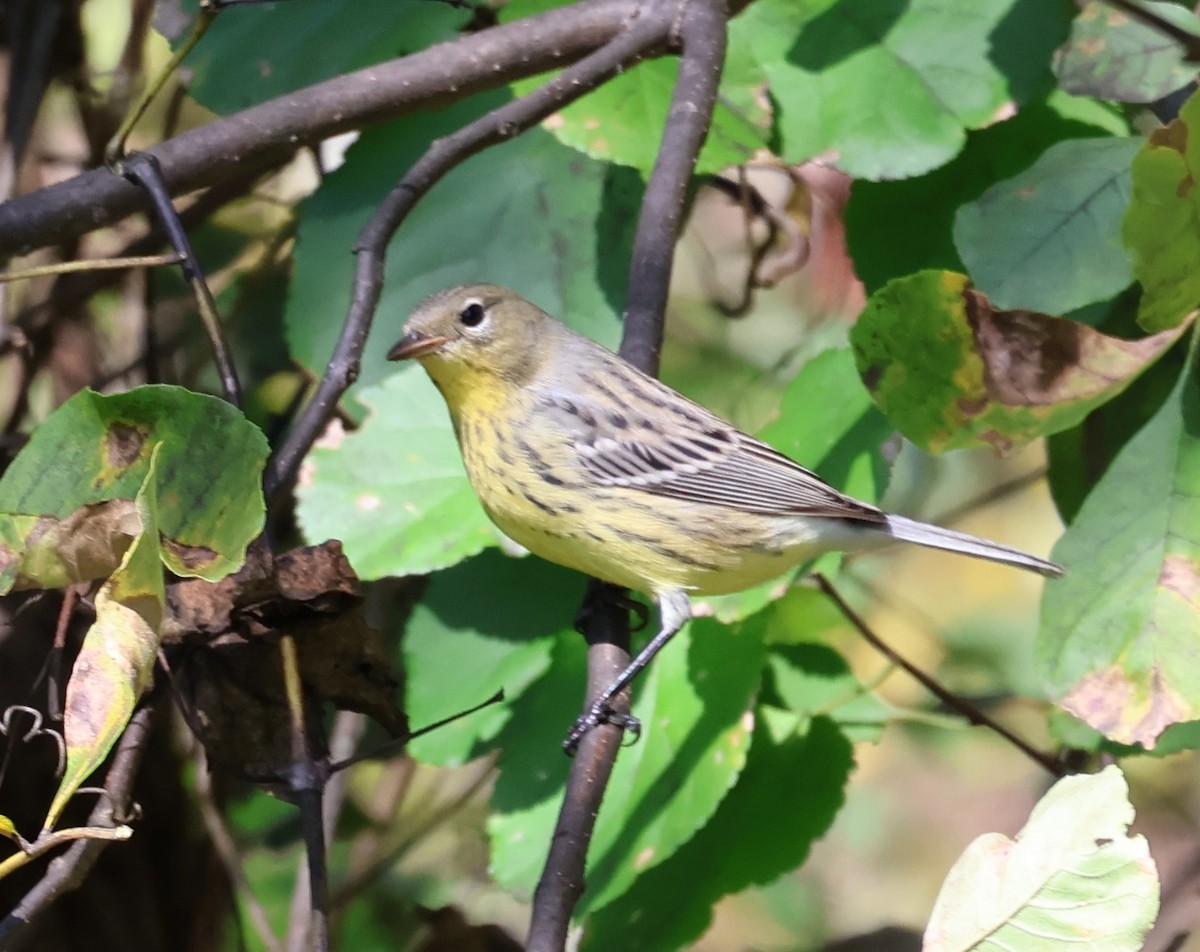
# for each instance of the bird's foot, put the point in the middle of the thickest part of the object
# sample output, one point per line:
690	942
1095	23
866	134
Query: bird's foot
600	713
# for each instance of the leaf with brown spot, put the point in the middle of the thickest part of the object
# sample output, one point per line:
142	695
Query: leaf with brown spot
51	553
117	657
1128	711
1119	645
77	476
950	371
124	445
1111	55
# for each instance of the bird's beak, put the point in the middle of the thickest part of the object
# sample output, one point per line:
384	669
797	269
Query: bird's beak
415	344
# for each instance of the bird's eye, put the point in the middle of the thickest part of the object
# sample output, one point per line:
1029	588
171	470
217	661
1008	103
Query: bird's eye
473	314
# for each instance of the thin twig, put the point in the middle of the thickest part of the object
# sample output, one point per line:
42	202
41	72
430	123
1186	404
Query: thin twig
644	35
68	871
397	745
951	700
94	264
308	925
144	169
68	293
52	839
116	146
54	681
701	26
227	853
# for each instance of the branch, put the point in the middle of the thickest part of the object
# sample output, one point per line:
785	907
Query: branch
702	32
973	714
215	152
644	36
701	25
144	170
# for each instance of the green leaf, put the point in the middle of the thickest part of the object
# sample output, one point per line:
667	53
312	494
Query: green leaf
261	51
814	681
488	624
1048	238
1113	55
1162	226
395	492
896	228
531	214
65	498
1117	642
1078	457
950	372
621	121
785	798
692	703
888	89
696	733
1072	879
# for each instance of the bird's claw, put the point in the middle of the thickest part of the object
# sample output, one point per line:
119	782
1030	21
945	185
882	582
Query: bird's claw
600	713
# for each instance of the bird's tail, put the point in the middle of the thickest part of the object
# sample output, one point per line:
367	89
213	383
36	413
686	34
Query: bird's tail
922	533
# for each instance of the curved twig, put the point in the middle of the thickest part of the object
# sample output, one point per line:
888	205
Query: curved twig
145	170
701	26
973	714
644	36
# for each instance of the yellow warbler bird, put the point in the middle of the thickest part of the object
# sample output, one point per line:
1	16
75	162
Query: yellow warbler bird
590	463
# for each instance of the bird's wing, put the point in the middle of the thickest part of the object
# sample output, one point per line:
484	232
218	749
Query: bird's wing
683	451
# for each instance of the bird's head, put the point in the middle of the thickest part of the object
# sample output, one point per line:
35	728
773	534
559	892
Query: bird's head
481	331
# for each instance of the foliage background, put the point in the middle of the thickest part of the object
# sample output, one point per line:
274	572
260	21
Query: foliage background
975	149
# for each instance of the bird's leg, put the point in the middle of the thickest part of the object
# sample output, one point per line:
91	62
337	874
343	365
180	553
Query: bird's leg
674	610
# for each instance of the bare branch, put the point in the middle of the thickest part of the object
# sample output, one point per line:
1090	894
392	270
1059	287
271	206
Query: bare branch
145	170
702	32
701	26
562	880
213	153
973	714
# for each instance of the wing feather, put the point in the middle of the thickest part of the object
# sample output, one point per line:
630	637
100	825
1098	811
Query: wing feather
701	458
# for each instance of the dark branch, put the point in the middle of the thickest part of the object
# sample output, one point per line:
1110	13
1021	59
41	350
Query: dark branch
702	33
144	170
701	25
209	155
562	881
644	36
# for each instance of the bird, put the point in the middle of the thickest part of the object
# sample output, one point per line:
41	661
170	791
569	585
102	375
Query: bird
588	462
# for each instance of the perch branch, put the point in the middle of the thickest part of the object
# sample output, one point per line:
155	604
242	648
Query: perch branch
701	29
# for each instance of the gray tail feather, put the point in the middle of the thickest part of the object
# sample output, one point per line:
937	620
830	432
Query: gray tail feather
922	533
